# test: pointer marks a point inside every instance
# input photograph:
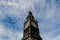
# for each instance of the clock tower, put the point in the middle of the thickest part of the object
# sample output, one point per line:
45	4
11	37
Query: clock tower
31	30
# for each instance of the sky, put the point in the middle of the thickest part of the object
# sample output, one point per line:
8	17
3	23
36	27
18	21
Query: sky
14	12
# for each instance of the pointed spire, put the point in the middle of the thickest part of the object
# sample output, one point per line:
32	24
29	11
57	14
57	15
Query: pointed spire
30	13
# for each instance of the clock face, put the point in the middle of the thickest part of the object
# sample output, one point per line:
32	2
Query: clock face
28	23
33	24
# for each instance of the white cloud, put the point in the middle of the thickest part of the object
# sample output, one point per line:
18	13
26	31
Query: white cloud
1	28
9	3
50	13
57	38
50	36
18	9
12	35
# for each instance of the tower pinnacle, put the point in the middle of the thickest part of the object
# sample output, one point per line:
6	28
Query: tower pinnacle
31	30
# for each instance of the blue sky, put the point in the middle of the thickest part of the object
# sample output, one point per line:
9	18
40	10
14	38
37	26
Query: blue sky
14	12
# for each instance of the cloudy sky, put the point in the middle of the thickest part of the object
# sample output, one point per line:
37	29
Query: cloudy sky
14	12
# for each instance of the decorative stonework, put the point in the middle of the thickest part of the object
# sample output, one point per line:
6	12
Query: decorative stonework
31	30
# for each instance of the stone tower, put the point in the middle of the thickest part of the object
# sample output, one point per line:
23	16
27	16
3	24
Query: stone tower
31	30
